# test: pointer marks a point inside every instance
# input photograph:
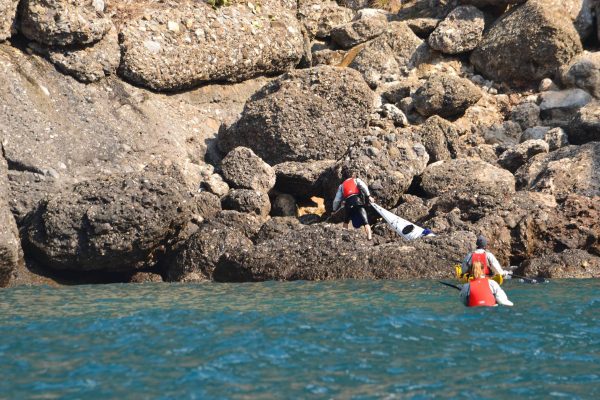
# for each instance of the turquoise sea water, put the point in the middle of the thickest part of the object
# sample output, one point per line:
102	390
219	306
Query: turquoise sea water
298	340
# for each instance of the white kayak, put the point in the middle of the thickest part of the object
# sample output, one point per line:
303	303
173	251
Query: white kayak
404	228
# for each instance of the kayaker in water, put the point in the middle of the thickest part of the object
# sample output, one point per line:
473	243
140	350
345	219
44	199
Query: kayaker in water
489	263
351	193
483	292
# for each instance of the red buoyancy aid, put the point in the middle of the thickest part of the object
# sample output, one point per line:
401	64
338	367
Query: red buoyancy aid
482	258
350	188
480	294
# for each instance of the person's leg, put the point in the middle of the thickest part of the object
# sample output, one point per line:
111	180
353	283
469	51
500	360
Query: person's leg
363	214
347	218
368	230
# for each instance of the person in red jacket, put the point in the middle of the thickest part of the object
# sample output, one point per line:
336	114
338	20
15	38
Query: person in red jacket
483	292
350	193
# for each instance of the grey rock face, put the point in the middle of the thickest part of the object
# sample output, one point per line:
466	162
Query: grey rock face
63	22
117	223
557	108
460	32
182	47
276	227
320	17
514	157
529	43
201	252
471	176
556	138
585	125
568	264
306	114
367	25
301	179
8	14
535	133
391	55
247	201
86	64
245	170
527	115
583	72
386	163
439	138
446	95
10	245
571	169
506	133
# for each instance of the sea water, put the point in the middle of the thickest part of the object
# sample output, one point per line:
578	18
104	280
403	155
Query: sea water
298	340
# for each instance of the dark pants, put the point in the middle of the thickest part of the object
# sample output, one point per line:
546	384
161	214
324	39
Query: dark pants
355	211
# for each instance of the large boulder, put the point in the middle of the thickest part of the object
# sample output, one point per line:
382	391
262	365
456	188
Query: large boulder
530	42
197	258
87	64
247	201
11	254
324	252
446	95
8	15
518	155
245	170
583	72
388	164
181	47
391	55
114	223
460	32
367	24
320	17
584	127
64	22
463	175
301	179
571	169
568	264
439	137
307	114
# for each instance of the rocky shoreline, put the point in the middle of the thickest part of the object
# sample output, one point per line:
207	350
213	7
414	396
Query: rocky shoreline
177	141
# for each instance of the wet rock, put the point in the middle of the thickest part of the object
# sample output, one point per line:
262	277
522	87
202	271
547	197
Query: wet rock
247	201
197	258
526	114
518	155
145	277
571	169
284	206
8	15
301	179
366	25
584	127
306	114
446	95
439	138
506	133
471	176
391	55
87	64
583	72
116	223
320	17
64	22
557	108
568	264
528	43
245	170
388	164
556	138
460	32
535	133
324	251
231	43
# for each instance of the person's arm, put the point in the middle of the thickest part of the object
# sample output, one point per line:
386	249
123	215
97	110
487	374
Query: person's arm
465	263
363	187
464	294
499	294
338	199
494	264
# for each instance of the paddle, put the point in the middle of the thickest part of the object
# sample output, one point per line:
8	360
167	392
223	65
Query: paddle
450	285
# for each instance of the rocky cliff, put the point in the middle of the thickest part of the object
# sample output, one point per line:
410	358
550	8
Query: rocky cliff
185	141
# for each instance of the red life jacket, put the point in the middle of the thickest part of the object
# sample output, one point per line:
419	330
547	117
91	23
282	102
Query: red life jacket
480	294
482	258
350	188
